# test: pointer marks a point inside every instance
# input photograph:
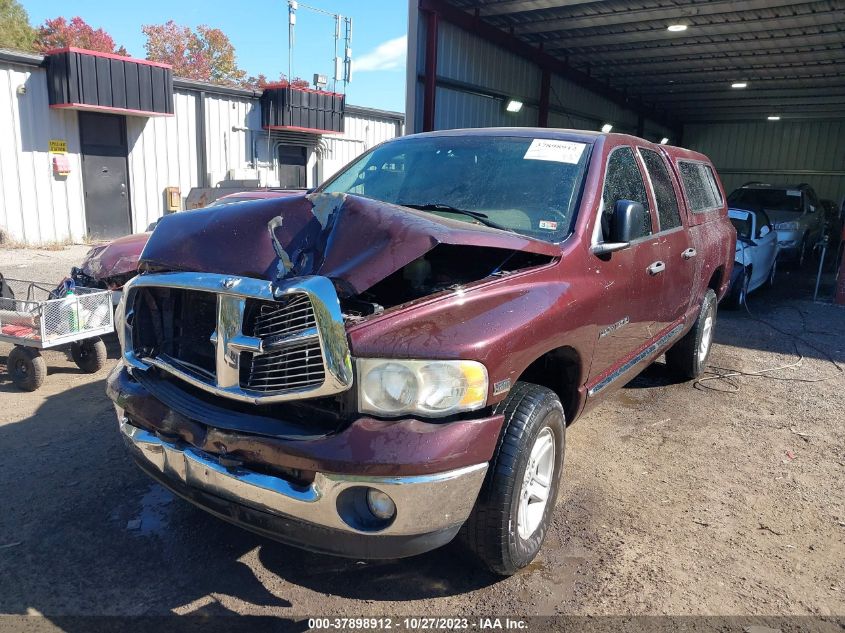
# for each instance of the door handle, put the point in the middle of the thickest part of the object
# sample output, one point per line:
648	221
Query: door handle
689	253
656	268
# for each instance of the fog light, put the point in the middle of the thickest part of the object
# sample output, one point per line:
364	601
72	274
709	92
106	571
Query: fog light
380	504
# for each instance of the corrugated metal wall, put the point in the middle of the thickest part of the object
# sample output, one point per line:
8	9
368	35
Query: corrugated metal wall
360	134
230	124
35	205
470	61
811	151
162	153
38	207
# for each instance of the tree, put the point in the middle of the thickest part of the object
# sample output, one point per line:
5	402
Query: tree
205	54
59	33
15	31
260	82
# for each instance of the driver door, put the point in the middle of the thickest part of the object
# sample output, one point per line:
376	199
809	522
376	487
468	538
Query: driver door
627	292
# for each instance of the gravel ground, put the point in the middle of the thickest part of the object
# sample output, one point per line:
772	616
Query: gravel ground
722	498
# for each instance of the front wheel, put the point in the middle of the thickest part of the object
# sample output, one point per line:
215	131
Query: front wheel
688	357
802	253
513	512
770	280
27	368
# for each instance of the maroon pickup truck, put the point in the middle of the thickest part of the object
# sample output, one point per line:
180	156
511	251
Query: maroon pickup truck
391	361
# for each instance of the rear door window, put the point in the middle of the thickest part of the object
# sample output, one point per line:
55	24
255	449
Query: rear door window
700	186
664	193
623	181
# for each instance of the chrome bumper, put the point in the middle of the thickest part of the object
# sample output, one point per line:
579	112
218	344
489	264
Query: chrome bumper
424	503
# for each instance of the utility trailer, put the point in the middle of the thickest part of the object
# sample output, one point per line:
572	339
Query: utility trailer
36	315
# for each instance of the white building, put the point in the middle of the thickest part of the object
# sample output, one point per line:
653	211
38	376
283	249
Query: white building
97	145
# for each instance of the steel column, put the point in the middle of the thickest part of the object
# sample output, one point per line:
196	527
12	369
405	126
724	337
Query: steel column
430	86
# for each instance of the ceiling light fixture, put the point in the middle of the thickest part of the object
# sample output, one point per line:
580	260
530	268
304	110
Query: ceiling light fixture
606	128
676	28
664	140
739	84
513	106
773	117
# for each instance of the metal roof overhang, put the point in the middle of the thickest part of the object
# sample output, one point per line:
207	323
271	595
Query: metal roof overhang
791	54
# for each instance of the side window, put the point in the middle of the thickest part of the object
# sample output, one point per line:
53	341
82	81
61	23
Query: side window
700	186
623	181
714	186
664	192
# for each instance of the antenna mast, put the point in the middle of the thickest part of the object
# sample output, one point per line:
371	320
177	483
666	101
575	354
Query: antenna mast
342	65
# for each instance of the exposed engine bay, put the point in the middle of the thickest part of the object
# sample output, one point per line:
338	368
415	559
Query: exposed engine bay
443	268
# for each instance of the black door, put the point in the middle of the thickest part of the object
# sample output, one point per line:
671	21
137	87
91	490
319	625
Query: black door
105	174
292	162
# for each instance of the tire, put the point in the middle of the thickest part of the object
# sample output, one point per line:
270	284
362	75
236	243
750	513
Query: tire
499	530
770	280
688	357
27	368
739	291
89	355
802	253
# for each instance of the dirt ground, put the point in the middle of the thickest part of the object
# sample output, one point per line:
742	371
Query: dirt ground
722	498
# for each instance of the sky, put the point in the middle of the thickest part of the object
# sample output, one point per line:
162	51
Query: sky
258	30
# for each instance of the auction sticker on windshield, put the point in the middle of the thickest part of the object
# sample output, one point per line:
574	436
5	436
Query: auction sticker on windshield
555	151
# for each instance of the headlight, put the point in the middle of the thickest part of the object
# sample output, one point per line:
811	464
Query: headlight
787	226
433	388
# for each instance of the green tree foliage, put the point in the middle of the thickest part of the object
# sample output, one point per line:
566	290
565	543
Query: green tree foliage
15	30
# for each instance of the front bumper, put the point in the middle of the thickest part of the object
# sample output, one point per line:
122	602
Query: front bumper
326	515
789	242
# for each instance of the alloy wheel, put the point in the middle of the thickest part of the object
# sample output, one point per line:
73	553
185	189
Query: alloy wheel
536	484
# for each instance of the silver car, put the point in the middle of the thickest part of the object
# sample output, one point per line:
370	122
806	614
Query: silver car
794	211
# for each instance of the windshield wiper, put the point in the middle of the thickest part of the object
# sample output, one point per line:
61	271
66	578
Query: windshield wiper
437	206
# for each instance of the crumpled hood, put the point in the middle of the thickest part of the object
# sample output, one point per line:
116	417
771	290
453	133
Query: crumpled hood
355	241
118	257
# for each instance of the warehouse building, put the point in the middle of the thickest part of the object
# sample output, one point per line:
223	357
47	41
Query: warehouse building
757	85
96	145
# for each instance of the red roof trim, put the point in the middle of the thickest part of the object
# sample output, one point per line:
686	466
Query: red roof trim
283	84
294	128
85	51
108	109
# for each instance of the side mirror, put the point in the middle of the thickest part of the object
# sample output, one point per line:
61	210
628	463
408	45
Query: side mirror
626	225
765	230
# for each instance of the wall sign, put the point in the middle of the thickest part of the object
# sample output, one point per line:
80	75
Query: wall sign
58	146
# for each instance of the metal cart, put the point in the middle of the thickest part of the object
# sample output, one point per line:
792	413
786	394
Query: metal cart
33	316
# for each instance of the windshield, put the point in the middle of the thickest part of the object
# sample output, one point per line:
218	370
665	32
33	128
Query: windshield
768	199
529	186
742	224
231	200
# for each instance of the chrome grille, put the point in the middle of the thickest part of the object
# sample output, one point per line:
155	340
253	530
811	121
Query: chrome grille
274	319
260	343
292	359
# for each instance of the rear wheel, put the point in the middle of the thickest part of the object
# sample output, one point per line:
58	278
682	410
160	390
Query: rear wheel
89	355
27	368
688	357
513	512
